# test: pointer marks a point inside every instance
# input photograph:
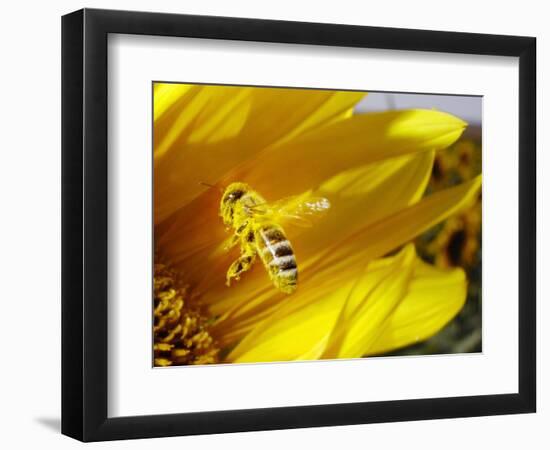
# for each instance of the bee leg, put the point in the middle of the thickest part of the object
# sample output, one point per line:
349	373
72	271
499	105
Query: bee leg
230	242
226	245
242	264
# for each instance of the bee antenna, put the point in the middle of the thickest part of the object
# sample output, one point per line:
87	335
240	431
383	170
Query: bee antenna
211	185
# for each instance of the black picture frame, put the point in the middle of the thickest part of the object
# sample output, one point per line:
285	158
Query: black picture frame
84	224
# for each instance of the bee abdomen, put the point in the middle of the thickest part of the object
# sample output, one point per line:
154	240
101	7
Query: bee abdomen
284	263
278	257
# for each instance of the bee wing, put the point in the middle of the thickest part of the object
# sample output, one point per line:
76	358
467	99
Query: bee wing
300	210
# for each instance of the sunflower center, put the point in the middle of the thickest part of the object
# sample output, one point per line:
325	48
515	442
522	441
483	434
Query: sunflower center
181	335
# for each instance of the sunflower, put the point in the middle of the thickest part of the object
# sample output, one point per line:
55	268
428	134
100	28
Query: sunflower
457	242
362	289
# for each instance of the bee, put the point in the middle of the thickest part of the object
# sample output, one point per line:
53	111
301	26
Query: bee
257	229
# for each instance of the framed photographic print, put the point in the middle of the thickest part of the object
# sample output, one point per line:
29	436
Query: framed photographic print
273	224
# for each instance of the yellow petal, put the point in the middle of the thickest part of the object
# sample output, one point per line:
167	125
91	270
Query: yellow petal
364	195
370	305
435	296
398	301
209	130
194	227
197	114
311	158
246	308
337	106
349	318
297	330
391	232
165	95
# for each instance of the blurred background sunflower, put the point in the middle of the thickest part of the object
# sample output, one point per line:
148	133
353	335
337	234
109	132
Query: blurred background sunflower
396	258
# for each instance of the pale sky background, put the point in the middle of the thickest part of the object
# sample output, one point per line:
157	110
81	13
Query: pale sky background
467	108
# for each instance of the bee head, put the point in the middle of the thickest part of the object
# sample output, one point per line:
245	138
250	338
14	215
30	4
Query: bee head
231	196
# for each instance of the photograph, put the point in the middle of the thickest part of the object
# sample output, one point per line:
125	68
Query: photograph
299	224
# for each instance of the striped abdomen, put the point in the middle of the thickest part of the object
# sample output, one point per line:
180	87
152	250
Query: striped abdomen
278	257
